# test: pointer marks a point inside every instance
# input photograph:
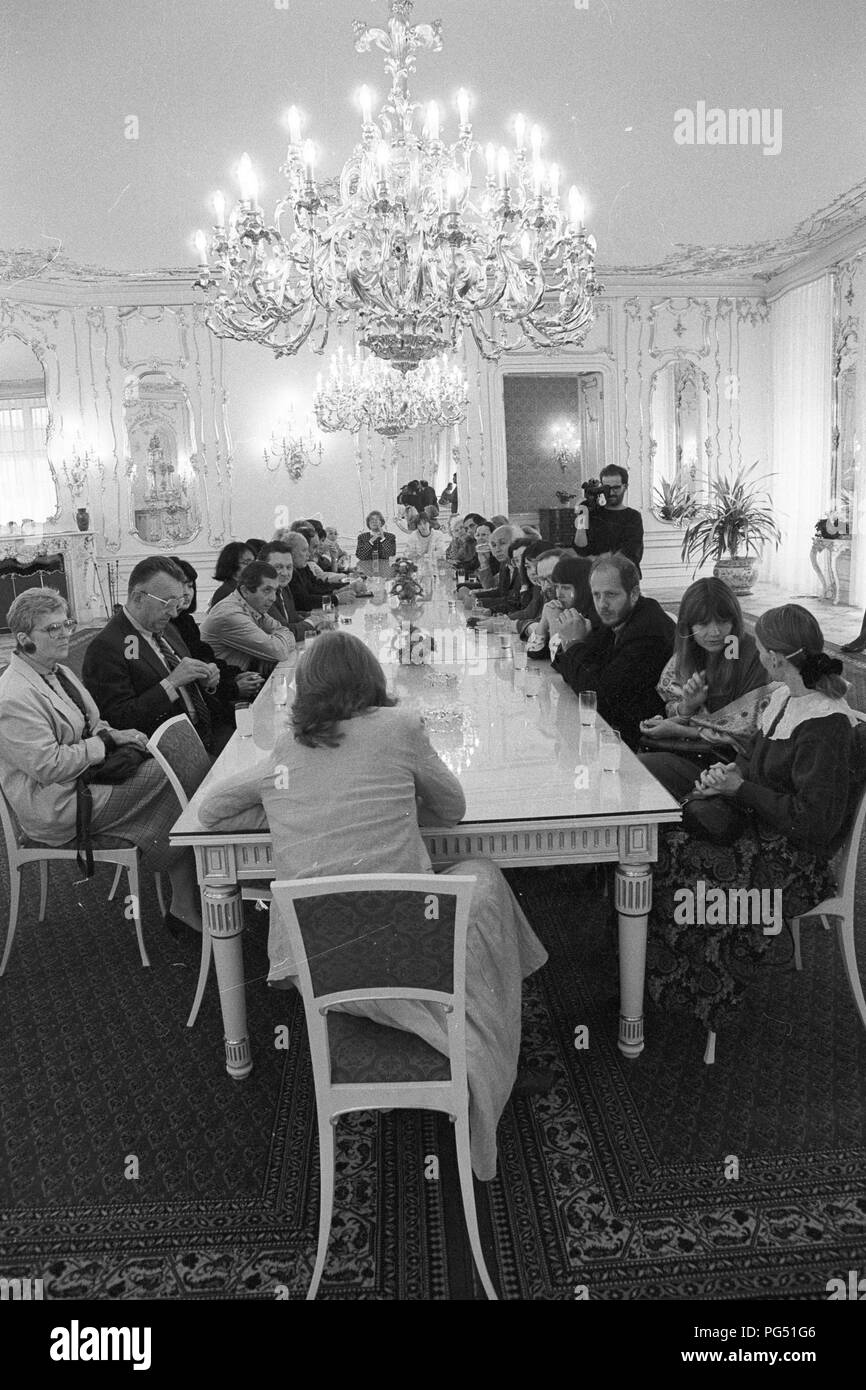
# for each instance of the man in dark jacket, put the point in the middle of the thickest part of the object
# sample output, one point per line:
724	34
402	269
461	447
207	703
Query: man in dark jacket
278	555
613	528
623	659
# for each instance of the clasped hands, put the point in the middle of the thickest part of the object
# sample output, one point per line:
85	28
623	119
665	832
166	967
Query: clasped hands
566	623
722	779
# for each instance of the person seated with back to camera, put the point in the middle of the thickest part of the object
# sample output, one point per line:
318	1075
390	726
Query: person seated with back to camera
771	819
51	731
623	658
376	543
240	629
505	597
139	670
614	528
344	791
715	663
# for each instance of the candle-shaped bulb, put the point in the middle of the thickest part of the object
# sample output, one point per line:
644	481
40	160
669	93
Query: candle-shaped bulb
383	154
366	105
201	247
294	119
520	131
432	121
219	208
247	179
463	106
309	157
536	138
503	168
554	176
575	208
490	153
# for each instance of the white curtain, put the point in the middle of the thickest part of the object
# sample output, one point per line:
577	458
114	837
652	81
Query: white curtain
27	489
857	594
800	376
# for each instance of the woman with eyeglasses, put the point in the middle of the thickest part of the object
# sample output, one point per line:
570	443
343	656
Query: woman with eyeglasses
51	731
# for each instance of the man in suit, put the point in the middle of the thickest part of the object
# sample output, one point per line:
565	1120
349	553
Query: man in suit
139	670
278	555
623	659
240	629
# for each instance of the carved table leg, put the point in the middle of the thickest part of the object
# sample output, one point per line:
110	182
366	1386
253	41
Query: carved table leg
833	566
634	887
222	911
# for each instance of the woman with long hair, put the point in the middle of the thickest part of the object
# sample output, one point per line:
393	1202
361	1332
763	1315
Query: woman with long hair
770	820
715	663
343	792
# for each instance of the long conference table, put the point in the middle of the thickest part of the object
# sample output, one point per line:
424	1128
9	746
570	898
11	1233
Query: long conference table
535	790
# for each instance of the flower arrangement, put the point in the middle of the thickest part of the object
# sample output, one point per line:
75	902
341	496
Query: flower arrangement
406	587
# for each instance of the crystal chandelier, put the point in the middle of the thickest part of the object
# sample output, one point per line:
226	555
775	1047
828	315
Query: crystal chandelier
566	446
295	448
367	391
419	239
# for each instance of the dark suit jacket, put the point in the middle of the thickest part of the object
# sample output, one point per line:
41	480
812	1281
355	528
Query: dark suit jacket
623	667
126	687
307	591
285	612
506	597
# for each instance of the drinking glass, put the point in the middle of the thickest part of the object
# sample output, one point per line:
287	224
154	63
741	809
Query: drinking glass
244	720
611	750
280	690
327	608
588	707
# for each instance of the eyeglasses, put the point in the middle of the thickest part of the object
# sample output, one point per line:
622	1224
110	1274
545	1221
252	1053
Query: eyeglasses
175	603
55	629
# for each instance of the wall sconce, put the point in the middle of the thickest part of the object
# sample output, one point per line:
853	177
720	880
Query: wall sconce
566	446
295	448
77	472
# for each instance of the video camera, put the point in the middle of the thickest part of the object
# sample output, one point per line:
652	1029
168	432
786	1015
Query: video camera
595	494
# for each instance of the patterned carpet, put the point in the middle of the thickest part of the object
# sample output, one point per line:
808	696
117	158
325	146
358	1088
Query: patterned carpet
132	1167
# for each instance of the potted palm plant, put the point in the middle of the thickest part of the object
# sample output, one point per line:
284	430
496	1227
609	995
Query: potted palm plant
732	528
672	501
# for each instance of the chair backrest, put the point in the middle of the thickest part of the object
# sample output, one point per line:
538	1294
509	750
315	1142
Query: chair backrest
379	937
181	755
845	863
12	832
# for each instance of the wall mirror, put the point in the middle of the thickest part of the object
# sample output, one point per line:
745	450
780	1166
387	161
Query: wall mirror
28	487
554	437
680	448
162	462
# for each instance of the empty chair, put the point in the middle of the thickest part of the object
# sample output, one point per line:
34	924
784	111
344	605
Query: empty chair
361	939
184	759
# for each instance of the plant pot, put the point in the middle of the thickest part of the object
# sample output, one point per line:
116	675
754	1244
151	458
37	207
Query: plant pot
82	519
738	572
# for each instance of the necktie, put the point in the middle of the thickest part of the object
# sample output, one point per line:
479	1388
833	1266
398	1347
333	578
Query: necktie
193	699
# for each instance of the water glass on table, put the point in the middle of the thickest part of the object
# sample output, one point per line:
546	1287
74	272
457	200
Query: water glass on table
244	720
588	707
327	609
610	749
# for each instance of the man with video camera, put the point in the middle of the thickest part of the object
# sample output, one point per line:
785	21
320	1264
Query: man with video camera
602	521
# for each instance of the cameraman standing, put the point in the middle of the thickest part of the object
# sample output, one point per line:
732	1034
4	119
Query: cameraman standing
604	523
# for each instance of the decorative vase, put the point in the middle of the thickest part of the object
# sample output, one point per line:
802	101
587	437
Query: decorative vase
739	572
82	519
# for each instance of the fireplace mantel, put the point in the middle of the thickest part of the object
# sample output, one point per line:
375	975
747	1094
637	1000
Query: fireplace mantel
76	547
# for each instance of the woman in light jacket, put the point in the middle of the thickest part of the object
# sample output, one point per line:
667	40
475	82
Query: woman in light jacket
51	731
343	791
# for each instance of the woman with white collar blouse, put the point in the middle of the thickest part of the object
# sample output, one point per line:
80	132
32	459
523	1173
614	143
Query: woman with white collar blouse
51	731
770	820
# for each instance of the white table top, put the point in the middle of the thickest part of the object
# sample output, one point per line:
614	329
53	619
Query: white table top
511	735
